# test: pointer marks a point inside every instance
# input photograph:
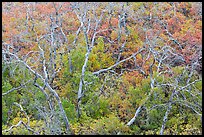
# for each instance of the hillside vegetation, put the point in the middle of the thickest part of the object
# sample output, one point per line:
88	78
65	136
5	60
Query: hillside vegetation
81	68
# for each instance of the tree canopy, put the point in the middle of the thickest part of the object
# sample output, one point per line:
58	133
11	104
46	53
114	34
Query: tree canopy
101	68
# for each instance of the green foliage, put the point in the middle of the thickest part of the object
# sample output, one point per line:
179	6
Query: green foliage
70	110
135	130
178	70
21	130
78	56
179	125
137	95
37	126
6	86
155	118
145	87
109	125
97	107
198	85
82	126
40	96
99	58
4	112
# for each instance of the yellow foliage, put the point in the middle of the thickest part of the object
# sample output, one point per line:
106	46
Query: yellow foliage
16	120
114	35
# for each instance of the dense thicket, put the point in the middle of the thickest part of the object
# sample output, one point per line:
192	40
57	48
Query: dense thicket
102	68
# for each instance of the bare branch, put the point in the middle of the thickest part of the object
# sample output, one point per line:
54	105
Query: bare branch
116	64
13	89
26	125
